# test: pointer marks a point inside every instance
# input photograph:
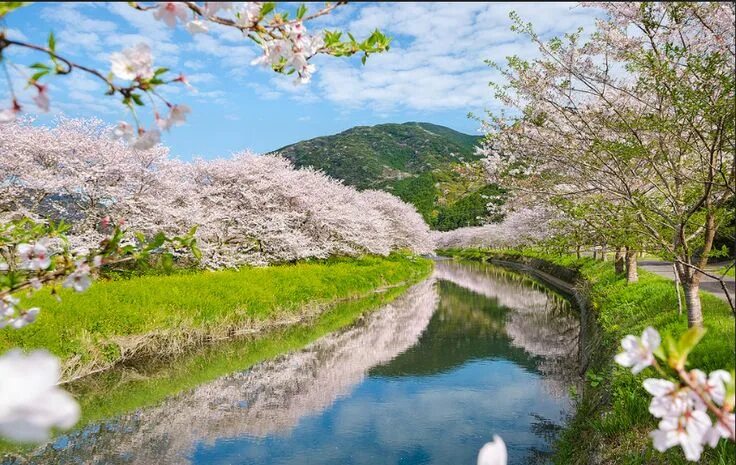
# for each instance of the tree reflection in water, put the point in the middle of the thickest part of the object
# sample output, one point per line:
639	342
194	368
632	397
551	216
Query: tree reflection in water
436	361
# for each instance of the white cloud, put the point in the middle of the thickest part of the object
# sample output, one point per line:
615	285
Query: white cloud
436	61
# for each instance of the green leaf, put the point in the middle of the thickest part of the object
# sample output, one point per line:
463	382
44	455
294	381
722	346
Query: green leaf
39	75
40	66
160	71
7	7
52	42
301	11
687	343
167	262
267	8
196	251
137	99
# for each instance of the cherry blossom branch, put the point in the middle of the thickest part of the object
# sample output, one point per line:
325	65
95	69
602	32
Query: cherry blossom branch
721	414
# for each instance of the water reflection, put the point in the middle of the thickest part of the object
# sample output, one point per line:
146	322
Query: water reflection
472	351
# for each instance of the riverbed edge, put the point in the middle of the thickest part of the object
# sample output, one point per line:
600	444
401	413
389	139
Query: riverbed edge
592	435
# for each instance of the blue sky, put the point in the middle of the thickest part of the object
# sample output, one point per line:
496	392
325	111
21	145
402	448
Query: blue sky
435	71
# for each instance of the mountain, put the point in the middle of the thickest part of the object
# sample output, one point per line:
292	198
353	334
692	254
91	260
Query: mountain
433	167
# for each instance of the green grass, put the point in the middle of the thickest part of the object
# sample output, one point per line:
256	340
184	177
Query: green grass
124	390
92	326
726	271
612	420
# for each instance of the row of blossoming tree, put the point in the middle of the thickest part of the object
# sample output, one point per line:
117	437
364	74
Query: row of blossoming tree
627	133
625	137
244	210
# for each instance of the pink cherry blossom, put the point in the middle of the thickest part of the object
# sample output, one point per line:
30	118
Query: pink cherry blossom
42	97
170	12
34	257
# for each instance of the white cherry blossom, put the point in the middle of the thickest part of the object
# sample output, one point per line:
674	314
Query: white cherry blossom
79	280
719	430
212	8
493	453
147	140
715	387
247	13
133	63
8	115
124	131
197	26
177	116
669	400
30	401
687	430
638	351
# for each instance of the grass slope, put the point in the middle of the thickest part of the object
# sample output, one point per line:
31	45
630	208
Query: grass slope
612	420
433	167
163	315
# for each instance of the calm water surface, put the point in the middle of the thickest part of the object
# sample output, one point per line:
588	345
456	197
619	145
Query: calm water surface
471	352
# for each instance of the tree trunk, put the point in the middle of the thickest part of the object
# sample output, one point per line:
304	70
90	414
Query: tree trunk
577	251
632	274
595	253
619	260
690	278
692	301
603	253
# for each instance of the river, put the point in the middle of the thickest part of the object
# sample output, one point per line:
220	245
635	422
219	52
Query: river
472	351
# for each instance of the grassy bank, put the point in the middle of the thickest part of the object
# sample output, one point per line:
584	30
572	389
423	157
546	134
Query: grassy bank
612	422
157	316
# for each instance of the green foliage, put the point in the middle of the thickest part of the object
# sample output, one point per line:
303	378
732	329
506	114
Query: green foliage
470	210
367	157
84	324
612	419
431	167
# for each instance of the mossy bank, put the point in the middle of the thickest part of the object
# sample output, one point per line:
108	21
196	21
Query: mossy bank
612	421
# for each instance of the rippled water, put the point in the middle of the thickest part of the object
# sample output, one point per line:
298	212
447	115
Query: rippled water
471	352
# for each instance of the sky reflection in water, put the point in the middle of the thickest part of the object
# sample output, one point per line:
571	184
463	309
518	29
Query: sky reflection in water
474	351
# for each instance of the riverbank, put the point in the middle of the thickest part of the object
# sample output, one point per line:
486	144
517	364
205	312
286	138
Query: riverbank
612	422
157	317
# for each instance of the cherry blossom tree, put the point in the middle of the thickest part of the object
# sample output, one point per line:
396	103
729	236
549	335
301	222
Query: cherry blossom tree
639	116
520	228
249	209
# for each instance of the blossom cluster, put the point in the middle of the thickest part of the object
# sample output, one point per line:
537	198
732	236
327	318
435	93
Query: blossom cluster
31	403
682	405
522	227
251	209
